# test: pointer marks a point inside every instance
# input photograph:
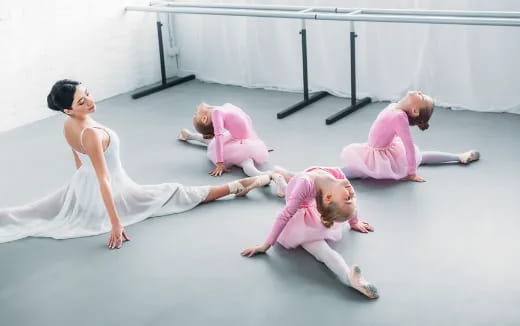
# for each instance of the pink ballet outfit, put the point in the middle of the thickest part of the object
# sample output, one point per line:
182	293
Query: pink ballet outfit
235	139
299	221
390	152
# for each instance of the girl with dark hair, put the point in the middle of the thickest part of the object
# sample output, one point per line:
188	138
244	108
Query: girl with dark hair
390	152
318	202
100	197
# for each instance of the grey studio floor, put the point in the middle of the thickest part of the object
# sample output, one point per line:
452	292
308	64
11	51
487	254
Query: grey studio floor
444	252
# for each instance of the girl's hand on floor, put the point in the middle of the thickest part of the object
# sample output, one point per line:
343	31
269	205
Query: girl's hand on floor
413	177
362	227
256	250
218	170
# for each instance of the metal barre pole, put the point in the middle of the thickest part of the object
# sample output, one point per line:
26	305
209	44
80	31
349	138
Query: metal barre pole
164	82
447	20
443	13
226	12
343	16
419	12
229	6
306	99
354	103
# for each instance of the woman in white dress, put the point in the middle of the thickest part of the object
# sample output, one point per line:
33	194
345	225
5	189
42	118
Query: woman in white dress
101	197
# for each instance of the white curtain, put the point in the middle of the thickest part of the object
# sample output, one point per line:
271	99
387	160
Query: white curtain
471	67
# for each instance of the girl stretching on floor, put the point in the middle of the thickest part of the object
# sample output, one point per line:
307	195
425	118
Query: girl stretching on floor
318	202
390	152
231	139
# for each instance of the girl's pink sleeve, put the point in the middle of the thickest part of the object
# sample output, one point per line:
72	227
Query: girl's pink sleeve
218	127
402	129
302	190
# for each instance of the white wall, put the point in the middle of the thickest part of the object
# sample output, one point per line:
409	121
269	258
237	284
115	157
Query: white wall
473	67
93	41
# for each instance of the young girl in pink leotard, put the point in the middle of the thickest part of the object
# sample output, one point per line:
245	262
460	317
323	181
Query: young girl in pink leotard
231	139
318	202
390	152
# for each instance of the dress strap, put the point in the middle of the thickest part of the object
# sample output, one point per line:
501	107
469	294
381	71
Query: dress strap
97	127
81	138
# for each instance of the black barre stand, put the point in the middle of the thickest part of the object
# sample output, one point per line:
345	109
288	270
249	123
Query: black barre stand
306	99
164	82
354	103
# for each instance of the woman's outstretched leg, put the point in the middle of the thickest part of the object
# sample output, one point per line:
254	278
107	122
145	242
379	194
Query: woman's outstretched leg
240	188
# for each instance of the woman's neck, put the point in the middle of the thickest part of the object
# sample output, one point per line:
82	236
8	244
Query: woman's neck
82	119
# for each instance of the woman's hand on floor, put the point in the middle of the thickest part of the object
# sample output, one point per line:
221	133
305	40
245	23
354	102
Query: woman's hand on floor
117	235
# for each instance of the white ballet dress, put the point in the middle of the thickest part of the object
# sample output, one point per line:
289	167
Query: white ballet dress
77	209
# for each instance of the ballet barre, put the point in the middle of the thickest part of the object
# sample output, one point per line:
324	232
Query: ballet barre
352	15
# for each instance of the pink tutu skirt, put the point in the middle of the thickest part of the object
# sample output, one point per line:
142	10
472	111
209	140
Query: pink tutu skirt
364	161
238	150
305	226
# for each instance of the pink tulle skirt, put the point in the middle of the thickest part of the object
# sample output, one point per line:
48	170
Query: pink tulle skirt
364	161
305	226
239	150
